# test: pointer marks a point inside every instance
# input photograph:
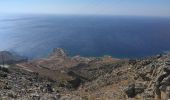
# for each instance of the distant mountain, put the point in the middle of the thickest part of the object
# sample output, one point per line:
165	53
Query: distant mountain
7	57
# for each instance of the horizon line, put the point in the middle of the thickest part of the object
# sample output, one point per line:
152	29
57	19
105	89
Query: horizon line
74	14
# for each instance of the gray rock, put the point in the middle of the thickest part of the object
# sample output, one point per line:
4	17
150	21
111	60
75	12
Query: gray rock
12	94
166	81
167	62
134	89
35	97
167	69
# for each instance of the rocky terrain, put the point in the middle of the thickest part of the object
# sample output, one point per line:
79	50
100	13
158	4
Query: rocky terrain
61	77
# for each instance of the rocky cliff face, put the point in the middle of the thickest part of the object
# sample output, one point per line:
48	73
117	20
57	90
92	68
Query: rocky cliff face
60	77
153	75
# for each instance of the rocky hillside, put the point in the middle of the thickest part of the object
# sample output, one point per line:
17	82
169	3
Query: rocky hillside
150	78
18	84
61	77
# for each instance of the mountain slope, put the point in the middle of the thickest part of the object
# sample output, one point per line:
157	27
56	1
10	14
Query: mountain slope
105	77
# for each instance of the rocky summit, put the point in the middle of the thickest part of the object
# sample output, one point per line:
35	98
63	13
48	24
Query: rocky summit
62	77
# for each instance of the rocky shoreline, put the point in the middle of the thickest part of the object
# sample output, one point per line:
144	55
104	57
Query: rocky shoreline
61	77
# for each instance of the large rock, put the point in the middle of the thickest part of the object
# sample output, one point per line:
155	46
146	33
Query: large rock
134	89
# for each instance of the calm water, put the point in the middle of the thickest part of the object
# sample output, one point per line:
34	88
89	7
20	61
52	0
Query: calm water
36	36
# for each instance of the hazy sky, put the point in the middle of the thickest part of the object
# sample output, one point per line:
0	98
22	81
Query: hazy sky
84	7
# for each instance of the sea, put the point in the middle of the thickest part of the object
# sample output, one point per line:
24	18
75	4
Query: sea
36	36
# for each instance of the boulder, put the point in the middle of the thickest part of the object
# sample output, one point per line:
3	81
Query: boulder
167	69
134	89
35	97
167	62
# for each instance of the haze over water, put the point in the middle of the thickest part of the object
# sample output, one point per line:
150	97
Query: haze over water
37	35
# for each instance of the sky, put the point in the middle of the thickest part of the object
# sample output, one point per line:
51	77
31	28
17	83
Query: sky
87	7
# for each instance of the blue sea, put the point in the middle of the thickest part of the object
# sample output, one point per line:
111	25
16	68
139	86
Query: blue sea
119	36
